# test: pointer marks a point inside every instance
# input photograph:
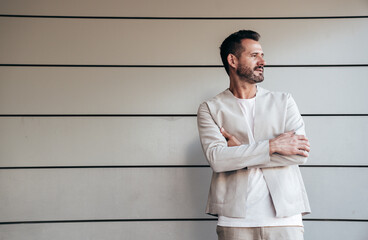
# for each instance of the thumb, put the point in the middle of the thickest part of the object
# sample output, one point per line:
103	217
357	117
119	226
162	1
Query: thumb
224	133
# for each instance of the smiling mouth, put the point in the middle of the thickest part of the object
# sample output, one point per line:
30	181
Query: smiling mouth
259	69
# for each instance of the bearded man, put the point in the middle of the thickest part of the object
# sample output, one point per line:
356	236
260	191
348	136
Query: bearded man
254	140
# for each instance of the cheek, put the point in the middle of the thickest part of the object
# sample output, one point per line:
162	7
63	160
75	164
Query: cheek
249	64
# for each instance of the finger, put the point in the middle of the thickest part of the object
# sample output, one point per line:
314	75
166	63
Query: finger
304	148
224	133
303	153
305	142
236	141
301	137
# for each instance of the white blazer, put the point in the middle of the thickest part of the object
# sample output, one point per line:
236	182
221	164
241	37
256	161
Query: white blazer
275	113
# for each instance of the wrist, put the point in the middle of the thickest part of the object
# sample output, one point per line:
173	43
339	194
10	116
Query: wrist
271	147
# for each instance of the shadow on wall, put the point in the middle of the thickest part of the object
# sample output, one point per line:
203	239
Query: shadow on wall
194	153
198	183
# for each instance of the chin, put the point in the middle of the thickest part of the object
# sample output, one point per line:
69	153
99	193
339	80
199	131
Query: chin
258	80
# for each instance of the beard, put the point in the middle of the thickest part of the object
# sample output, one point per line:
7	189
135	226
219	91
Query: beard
247	75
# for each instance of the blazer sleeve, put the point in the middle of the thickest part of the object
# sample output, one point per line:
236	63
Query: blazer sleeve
221	157
294	122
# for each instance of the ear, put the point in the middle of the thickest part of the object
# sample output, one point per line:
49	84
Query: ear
232	60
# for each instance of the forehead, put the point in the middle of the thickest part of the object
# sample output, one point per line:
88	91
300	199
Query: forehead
251	46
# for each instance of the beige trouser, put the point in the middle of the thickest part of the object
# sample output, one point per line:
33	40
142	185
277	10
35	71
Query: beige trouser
260	233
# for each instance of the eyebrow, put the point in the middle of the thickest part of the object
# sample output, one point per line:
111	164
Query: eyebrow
257	53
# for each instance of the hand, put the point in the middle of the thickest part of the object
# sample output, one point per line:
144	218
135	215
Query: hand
231	140
290	144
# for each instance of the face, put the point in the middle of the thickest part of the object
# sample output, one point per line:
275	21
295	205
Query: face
251	62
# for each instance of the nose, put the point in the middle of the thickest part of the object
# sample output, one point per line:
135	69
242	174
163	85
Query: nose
261	61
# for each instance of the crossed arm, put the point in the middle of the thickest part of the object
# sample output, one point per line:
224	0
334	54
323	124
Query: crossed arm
285	144
225	153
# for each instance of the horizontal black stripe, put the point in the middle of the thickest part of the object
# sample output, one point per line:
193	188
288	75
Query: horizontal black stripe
335	220
167	166
334	115
162	220
334	166
109	220
111	166
177	18
98	115
113	66
173	66
160	115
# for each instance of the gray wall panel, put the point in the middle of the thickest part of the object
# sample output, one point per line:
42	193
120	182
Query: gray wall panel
178	230
108	90
54	194
322	90
316	230
203	8
83	141
337	140
337	193
169	90
66	194
99	141
139	42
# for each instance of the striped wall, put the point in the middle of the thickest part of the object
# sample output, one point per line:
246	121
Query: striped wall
98	101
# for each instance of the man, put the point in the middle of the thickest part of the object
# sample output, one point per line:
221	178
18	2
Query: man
254	141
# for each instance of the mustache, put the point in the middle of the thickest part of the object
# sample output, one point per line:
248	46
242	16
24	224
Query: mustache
259	67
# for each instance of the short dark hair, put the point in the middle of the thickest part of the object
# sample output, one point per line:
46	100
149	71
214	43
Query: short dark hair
232	45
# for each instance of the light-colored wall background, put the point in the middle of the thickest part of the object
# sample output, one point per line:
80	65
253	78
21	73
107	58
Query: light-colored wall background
98	136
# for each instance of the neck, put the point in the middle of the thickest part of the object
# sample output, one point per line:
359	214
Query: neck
243	90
